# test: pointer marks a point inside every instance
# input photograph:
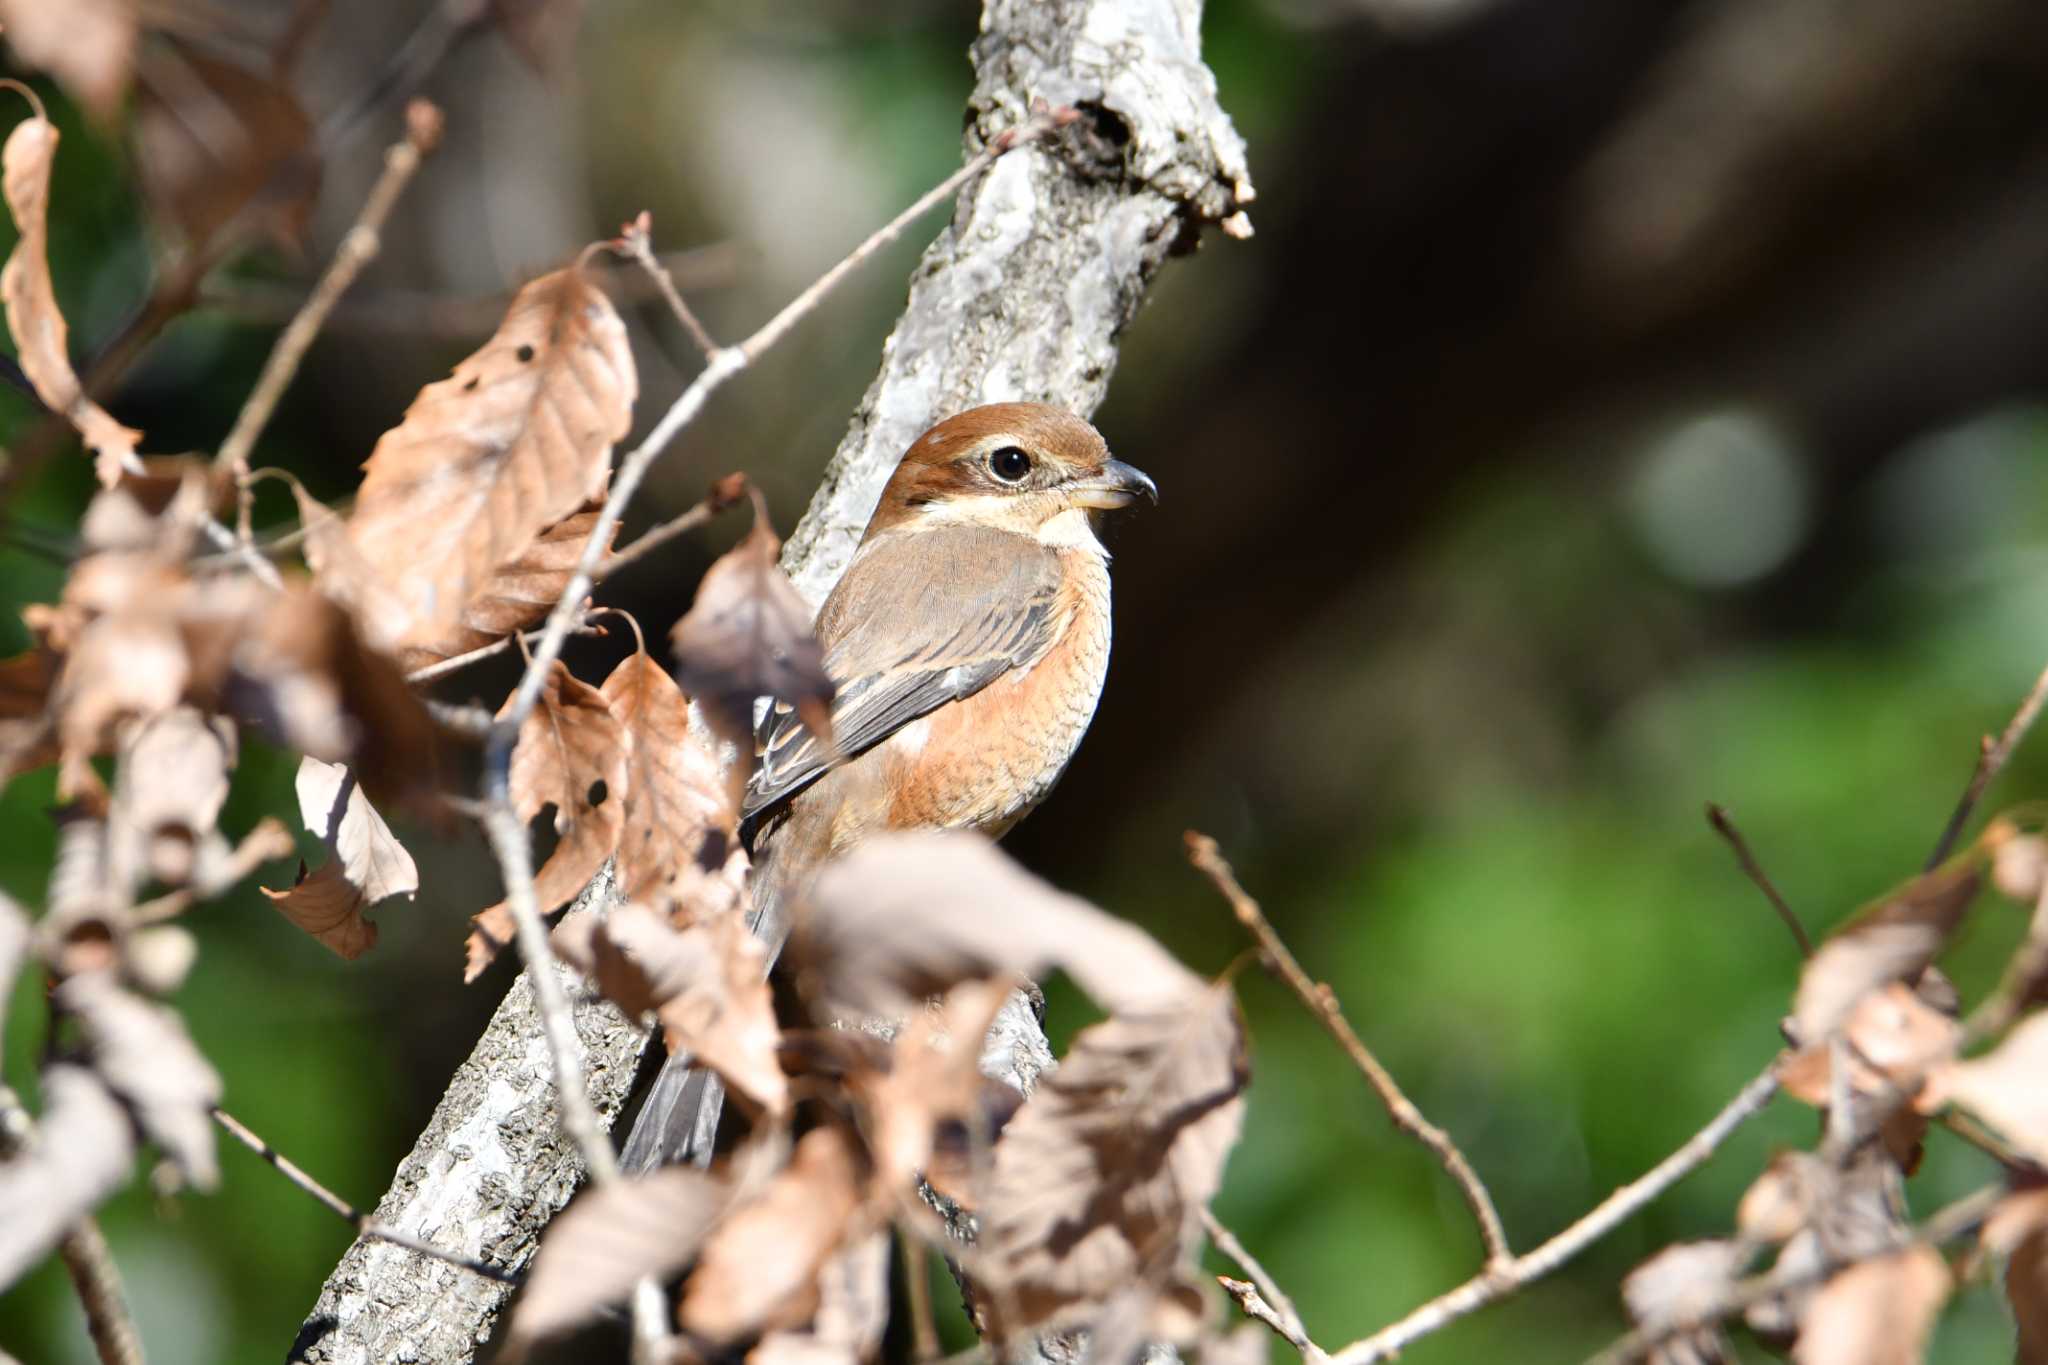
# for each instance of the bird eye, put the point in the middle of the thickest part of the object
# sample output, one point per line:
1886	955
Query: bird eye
1010	464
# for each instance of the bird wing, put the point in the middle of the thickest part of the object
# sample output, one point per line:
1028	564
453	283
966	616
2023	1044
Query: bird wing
917	621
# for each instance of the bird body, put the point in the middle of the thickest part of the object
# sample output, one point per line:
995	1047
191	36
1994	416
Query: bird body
968	641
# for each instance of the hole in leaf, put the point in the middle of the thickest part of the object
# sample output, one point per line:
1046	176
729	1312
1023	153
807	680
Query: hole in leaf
470	387
525	354
596	795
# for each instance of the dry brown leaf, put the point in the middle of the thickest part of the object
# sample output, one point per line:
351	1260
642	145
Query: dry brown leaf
708	984
40	334
760	1269
83	1152
334	808
1892	941
932	1086
366	862
1780	1201
323	904
517	439
1894	1039
853	1311
748	635
1679	1284
214	140
611	1238
571	755
2004	1087
1877	1312
676	813
141	1050
2018	1230
1100	1178
172	781
519	592
88	45
907	916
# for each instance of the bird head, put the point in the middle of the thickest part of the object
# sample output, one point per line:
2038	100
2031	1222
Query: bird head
1030	468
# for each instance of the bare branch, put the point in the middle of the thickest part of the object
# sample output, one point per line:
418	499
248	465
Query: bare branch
358	248
458	662
1263	1299
107	1319
1991	760
1487	1287
362	1222
726	492
1724	825
639	246
1322	1002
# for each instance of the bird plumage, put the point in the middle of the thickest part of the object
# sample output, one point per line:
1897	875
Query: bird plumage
968	641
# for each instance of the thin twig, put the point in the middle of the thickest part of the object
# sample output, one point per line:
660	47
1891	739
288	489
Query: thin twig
1724	825
1254	1305
364	1225
638	242
2016	986
456	662
1944	1226
358	248
1486	1287
107	1319
723	494
1267	1301
1322	1002
1037	126
917	1285
1991	760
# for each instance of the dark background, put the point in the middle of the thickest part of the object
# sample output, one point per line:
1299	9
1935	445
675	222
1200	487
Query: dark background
1624	404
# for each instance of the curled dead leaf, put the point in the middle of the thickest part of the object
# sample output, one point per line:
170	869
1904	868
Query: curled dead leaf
760	1268
1892	941
708	984
611	1238
516	440
141	1050
571	755
1877	1312
366	863
907	916
1680	1284
1099	1180
82	1154
748	635
2004	1087
40	333
676	815
518	593
853	1311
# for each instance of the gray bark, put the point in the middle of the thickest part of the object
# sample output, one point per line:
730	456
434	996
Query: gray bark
1022	296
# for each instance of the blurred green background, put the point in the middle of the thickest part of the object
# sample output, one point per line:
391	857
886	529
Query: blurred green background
1624	404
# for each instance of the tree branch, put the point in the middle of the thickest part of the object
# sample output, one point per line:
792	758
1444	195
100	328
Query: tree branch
1485	1288
1322	1003
1991	760
1078	231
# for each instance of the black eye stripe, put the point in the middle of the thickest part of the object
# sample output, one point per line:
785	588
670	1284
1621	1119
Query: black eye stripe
1010	464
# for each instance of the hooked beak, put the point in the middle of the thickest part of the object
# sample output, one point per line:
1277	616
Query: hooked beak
1117	485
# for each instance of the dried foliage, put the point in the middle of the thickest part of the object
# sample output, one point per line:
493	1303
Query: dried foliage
33	317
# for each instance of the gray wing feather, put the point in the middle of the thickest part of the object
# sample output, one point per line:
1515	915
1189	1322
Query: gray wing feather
918	621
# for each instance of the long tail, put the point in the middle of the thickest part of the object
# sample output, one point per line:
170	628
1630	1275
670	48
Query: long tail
679	1121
